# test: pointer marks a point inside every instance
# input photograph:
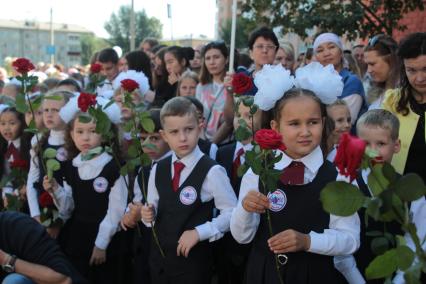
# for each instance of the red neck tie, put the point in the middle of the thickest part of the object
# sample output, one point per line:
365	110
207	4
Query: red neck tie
236	164
293	174
11	151
178	167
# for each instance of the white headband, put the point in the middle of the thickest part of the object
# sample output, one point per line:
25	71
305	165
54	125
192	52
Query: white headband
327	37
138	77
3	107
325	82
272	82
70	110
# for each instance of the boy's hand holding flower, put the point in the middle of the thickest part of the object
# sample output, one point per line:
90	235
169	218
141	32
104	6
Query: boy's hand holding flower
255	202
148	214
289	241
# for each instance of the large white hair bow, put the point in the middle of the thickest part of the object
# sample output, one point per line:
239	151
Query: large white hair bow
138	77
272	82
325	82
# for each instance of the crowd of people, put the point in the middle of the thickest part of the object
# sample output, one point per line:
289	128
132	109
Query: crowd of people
199	221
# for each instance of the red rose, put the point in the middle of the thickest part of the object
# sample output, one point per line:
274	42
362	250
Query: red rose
85	101
95	68
22	65
269	139
241	83
349	155
19	164
129	85
45	200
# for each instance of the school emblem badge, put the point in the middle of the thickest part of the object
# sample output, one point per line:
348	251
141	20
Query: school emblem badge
278	200
188	195
61	154
100	184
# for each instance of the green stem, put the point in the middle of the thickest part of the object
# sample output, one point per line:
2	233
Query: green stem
268	217
144	193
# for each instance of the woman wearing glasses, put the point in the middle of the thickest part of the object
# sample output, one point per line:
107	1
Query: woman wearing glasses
383	67
408	103
328	49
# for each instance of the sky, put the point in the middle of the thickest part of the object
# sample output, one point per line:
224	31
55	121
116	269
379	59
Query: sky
188	16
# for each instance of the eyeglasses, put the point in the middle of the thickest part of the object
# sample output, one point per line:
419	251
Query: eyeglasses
268	47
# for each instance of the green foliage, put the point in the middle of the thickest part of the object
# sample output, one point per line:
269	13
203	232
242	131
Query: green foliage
89	45
352	18
341	198
410	187
243	132
49	153
52	165
118	27
377	182
244	27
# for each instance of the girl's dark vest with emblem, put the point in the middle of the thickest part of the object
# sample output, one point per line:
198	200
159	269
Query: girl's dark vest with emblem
302	212
58	175
364	255
90	208
174	217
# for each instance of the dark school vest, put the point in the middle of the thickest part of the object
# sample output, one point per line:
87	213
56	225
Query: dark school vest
204	146
225	158
180	211
300	210
61	157
91	199
364	255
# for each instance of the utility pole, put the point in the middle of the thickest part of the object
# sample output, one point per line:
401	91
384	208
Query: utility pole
52	39
132	27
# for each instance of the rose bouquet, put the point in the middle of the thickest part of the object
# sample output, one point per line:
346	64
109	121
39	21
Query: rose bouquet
16	198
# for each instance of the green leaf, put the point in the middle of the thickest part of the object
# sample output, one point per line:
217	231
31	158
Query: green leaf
49	153
248	101
379	245
410	187
103	124
111	102
148	124
374	233
405	257
389	172
124	170
146	161
31	130
377	181
383	265
253	109
85	118
132	151
242	170
373	207
400	240
243	133
412	274
21	104
55	98
53	164
341	198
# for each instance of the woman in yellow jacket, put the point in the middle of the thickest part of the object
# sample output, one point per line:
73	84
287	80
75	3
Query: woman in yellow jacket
408	103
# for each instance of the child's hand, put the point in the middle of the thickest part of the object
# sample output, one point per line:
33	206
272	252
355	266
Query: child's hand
289	241
255	202
186	242
50	185
173	78
98	256
127	222
23	192
135	211
53	231
147	212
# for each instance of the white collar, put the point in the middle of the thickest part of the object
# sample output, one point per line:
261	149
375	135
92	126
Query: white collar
167	154
246	147
102	159
16	143
56	137
190	159
313	161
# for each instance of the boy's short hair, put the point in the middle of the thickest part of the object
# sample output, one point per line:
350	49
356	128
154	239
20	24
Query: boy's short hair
196	102
178	106
338	102
108	55
380	118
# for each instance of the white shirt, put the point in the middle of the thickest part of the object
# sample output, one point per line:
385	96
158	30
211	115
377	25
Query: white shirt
347	264
215	186
107	89
342	236
56	137
332	155
117	197
137	192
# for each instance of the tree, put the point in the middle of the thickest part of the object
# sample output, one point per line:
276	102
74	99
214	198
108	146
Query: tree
361	18
118	27
244	28
89	45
